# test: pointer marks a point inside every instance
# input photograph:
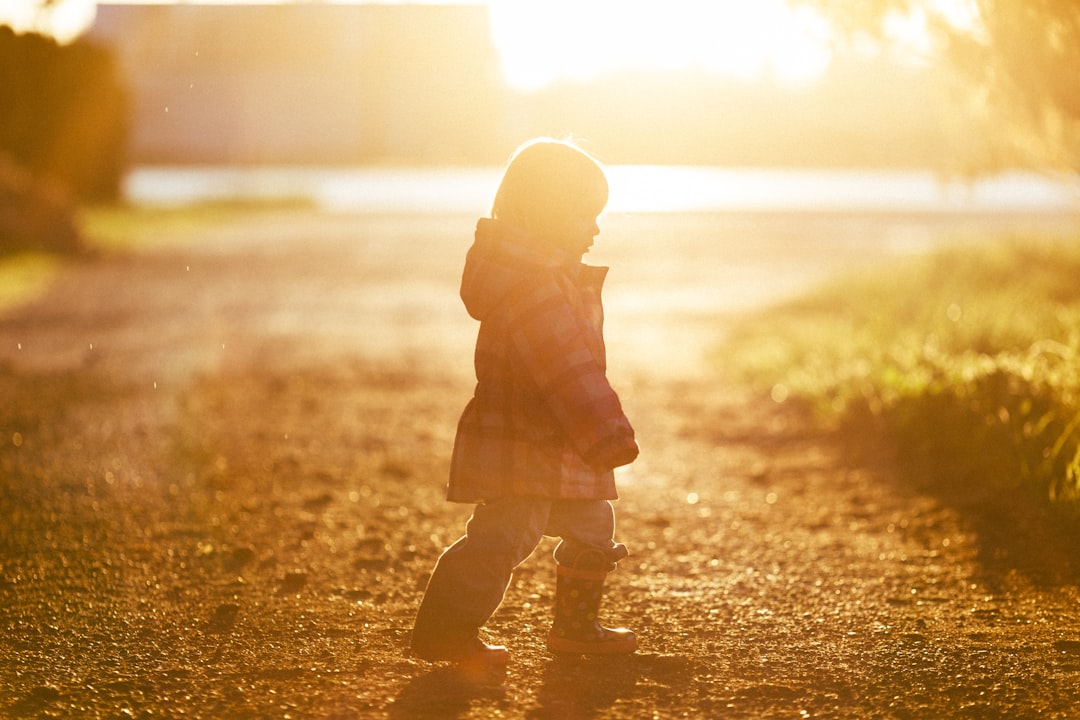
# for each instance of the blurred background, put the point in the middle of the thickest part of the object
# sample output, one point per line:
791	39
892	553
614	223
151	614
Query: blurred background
888	104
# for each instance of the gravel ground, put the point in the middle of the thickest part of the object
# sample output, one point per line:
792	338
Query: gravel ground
221	476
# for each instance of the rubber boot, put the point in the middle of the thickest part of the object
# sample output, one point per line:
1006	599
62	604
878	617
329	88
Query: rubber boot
577	604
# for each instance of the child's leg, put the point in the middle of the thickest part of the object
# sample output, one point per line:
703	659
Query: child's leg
471	577
585	556
587	527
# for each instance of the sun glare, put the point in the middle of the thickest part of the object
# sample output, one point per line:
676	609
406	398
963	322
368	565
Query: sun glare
543	41
63	19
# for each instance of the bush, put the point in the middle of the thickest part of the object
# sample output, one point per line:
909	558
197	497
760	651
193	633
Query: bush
967	360
36	214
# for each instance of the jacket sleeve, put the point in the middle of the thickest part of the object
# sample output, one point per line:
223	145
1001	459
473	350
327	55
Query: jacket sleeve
548	338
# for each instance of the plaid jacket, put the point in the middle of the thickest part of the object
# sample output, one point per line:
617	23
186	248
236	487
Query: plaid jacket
543	421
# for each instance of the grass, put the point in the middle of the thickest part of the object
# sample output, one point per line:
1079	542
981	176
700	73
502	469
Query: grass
133	227
122	228
24	277
965	360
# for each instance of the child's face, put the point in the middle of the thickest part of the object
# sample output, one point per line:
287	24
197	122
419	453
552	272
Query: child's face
574	232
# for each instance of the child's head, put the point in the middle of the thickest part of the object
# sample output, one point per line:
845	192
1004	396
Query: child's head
547	184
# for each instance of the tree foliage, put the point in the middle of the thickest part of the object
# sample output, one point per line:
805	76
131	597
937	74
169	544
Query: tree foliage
1019	61
63	112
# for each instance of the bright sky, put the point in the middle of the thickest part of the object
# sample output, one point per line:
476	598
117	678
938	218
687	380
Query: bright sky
65	21
540	41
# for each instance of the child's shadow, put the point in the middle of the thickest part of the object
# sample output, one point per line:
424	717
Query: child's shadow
582	687
446	692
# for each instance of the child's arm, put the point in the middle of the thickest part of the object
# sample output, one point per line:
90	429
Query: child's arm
617	450
549	341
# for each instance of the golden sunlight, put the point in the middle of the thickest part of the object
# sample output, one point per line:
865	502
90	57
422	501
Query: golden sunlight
63	19
542	42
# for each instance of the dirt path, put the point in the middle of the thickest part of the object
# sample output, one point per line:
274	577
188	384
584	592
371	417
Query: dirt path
221	491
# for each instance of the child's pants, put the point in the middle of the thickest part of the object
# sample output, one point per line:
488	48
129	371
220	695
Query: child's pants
471	577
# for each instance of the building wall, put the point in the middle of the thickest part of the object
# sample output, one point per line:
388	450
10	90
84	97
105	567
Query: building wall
307	83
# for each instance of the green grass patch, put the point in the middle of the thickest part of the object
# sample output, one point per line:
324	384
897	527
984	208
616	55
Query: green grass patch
124	228
25	276
112	228
967	360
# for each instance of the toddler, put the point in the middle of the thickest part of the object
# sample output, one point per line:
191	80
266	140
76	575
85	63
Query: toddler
537	444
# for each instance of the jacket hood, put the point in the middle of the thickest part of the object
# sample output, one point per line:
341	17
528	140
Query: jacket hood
501	258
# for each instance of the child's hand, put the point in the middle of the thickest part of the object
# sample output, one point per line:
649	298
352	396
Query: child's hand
617	450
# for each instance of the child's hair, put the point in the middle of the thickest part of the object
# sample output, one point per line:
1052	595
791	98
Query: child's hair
546	178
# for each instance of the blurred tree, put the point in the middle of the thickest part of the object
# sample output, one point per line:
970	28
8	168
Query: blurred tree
1019	61
63	112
